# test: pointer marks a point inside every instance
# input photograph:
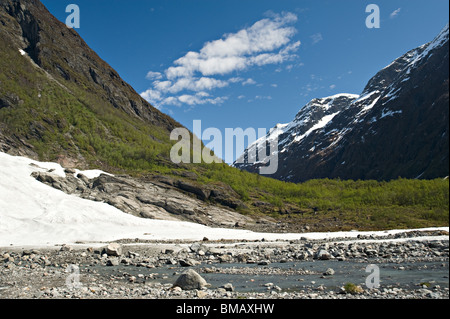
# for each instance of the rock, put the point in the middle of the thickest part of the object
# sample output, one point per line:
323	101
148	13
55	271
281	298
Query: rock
323	255
188	262
69	171
201	294
66	248
242	258
171	261
264	263
228	287
190	280
176	289
329	272
112	262
215	251
201	192
195	247
114	249
225	258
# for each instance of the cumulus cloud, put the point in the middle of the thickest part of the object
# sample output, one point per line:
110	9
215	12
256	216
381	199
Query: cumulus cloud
268	41
153	75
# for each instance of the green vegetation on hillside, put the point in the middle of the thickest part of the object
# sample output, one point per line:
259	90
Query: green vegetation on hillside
337	204
68	121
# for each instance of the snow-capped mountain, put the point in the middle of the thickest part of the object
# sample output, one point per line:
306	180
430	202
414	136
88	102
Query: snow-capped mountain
397	127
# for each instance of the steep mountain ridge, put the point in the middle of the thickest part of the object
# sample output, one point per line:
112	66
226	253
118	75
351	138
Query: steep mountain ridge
49	77
397	127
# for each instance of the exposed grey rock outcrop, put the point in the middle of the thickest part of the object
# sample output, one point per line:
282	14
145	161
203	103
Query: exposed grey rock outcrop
146	199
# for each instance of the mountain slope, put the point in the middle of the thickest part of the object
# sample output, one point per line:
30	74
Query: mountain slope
397	127
60	101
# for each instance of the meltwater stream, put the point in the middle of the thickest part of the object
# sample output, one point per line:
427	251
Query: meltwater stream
290	276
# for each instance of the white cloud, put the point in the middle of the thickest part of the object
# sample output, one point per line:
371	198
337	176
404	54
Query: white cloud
274	85
235	80
249	81
200	98
259	97
191	84
153	75
316	38
268	41
332	86
395	13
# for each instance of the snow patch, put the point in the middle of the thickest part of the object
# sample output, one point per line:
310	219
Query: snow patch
322	123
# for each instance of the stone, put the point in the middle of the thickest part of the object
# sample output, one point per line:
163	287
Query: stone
195	247
242	258
228	287
190	280
323	255
188	262
201	294
177	289
112	262
66	248
329	272
215	251
225	258
114	249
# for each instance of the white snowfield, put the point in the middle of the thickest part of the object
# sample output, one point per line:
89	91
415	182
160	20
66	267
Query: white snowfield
34	214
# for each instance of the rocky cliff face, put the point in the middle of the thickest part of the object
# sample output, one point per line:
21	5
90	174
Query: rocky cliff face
162	198
397	127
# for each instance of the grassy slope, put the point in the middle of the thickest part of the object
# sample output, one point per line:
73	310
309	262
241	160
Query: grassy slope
342	205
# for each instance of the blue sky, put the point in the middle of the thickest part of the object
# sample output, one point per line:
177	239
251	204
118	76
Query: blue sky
249	63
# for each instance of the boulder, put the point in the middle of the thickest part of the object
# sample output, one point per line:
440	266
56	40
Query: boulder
114	249
190	280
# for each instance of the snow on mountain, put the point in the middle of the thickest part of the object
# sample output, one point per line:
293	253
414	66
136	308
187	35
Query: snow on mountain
315	115
397	126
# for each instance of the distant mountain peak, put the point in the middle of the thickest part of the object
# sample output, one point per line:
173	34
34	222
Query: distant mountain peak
398	125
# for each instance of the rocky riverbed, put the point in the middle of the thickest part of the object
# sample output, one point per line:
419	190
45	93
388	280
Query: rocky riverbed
410	266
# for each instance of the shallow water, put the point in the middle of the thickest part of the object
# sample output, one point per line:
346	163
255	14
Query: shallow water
410	277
